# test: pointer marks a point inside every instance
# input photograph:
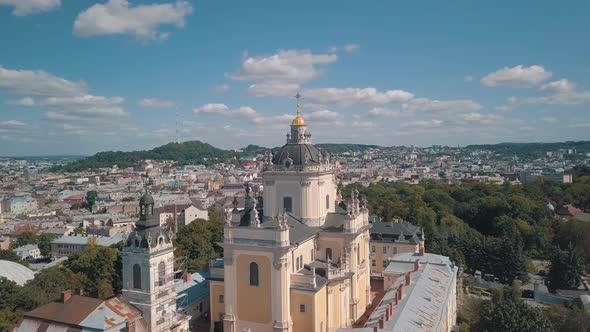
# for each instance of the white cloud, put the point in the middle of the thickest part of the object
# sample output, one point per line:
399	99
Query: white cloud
38	83
424	124
351	96
580	125
275	121
142	21
27	101
28	7
549	119
364	124
156	103
281	73
482	119
503	108
222	88
432	105
384	112
323	116
560	86
518	76
349	48
224	110
562	98
468	78
12	123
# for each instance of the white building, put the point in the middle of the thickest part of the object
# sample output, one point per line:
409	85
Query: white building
22	205
29	251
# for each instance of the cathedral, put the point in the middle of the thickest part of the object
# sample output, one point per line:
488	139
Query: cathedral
296	258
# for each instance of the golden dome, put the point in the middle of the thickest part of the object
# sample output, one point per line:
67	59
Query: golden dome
298	121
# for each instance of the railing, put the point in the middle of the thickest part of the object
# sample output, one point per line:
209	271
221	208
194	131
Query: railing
300	168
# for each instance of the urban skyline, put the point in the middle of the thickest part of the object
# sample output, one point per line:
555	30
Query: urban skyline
114	75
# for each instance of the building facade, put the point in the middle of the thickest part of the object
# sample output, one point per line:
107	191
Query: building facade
294	260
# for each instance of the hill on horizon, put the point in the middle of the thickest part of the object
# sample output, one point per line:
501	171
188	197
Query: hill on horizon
197	152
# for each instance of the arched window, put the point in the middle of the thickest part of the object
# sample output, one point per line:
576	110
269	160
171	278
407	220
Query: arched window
327	201
328	254
161	273
136	276
253	274
288	204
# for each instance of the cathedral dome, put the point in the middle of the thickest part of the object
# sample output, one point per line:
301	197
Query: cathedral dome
146	199
297	154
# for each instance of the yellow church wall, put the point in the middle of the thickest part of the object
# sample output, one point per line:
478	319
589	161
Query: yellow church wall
379	256
302	321
320	310
334	306
305	249
217	308
253	302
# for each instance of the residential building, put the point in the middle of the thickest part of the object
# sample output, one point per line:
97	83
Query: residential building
68	245
22	205
29	251
389	238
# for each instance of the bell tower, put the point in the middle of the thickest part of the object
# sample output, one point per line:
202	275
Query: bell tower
148	270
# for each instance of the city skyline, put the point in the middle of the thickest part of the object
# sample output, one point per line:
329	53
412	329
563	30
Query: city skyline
83	77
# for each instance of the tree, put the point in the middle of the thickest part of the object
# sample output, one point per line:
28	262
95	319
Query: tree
98	265
25	238
504	315
44	243
91	198
9	255
566	269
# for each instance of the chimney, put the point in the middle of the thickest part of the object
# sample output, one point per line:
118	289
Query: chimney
79	291
375	328
188	277
205	267
65	296
390	309
387	314
416	265
401	291
408	278
381	322
421	250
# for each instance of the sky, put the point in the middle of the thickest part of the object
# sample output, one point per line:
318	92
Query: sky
81	76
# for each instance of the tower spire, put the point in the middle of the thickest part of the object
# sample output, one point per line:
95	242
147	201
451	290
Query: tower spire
298	121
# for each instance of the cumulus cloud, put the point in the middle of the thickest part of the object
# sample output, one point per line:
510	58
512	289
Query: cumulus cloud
224	110
482	119
468	78
424	124
12	123
281	73
222	87
27	101
549	119
28	7
364	124
380	112
351	96
156	103
349	48
323	116
560	86
38	83
142	21
502	108
433	105
559	96
518	76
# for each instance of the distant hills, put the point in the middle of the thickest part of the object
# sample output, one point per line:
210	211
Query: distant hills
197	152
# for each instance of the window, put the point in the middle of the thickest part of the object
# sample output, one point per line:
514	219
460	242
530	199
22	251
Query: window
302	308
220	298
384	249
312	253
161	273
253	274
372	248
385	263
394	250
358	254
327	201
373	263
136	276
288	204
328	254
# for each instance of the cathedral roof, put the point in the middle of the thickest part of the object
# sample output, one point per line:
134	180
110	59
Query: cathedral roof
297	154
146	199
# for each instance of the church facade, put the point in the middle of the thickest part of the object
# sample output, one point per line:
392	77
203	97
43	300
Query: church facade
296	258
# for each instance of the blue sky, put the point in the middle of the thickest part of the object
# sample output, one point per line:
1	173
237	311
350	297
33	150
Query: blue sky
86	76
